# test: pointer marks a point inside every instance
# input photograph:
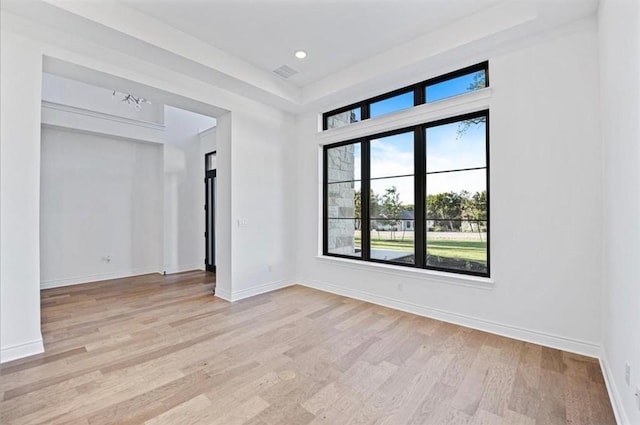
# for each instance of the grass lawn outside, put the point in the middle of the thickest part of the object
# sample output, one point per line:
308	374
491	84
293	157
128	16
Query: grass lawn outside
463	245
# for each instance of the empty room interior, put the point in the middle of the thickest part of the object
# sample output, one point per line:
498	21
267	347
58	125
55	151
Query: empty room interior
184	240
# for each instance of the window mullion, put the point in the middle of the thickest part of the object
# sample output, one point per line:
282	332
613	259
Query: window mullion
418	94
365	191
365	110
420	196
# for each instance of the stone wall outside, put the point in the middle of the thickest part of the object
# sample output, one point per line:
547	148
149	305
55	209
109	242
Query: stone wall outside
341	167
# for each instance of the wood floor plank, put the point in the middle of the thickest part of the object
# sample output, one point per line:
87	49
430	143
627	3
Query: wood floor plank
471	390
181	413
440	394
163	350
552	409
498	388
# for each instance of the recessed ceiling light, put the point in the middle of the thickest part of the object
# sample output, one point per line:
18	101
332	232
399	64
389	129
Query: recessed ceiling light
301	54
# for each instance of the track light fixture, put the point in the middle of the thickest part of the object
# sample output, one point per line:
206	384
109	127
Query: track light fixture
135	101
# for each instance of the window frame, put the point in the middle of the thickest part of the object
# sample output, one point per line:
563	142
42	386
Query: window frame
418	90
325	198
420	195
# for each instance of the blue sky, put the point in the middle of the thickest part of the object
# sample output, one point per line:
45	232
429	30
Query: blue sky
433	93
449	88
448	151
393	104
393	156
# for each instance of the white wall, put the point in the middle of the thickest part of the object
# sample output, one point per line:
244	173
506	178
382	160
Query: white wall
256	182
208	142
264	196
545	207
183	207
59	115
99	197
20	75
620	108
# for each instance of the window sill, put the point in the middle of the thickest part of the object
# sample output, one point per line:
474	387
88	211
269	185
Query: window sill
393	270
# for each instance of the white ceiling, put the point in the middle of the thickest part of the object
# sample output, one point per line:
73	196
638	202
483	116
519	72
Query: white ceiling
356	48
335	34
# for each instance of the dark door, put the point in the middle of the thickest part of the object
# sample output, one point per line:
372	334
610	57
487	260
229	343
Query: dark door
210	212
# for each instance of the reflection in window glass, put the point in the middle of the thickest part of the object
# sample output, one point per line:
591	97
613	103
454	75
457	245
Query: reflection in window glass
457	145
343	163
455	86
392	155
392	104
344	118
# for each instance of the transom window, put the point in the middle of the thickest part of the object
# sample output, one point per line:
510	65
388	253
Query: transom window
462	81
426	200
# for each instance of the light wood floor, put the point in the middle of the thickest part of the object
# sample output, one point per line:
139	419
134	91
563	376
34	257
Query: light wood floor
163	350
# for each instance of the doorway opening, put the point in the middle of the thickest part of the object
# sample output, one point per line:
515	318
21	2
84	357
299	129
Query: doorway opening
147	161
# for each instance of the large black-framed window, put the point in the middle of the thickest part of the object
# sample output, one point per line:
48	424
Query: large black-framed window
471	78
426	196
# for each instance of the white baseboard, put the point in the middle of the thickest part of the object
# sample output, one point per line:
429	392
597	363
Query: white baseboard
223	294
184	268
76	280
261	289
536	337
21	350
254	290
614	395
